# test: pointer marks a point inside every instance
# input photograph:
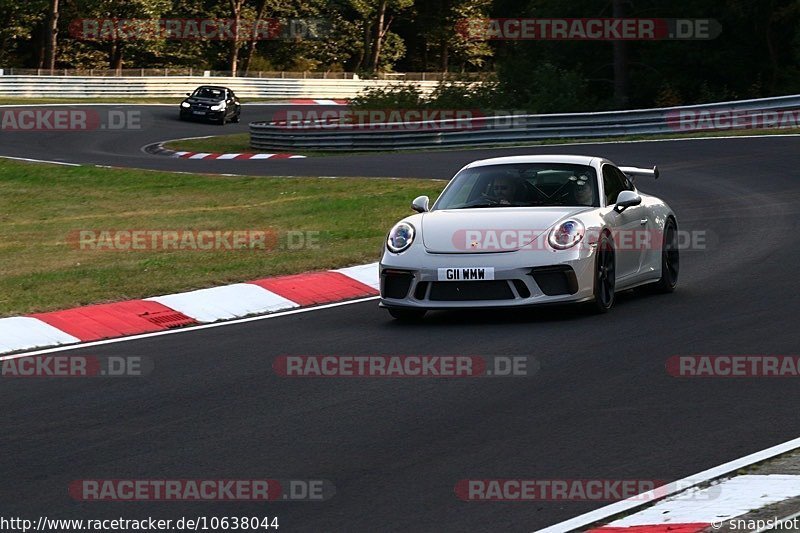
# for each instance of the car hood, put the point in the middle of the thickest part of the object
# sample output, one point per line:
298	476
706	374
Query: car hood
497	229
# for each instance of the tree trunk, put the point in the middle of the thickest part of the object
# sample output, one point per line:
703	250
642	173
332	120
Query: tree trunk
40	38
771	49
379	34
52	36
251	47
621	98
233	53
445	49
367	48
233	50
115	56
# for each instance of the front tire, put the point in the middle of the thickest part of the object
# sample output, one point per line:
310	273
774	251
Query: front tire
604	275
407	315
670	259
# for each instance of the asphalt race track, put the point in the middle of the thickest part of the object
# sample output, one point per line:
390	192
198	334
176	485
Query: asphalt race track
601	406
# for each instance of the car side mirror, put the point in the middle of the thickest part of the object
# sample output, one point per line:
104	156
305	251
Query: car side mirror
420	204
627	199
188	94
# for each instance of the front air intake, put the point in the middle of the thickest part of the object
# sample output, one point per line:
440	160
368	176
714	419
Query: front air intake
555	280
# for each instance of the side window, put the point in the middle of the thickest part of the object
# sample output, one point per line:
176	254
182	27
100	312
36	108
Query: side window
613	183
627	183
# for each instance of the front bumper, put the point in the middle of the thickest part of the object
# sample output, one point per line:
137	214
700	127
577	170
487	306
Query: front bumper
201	114
520	279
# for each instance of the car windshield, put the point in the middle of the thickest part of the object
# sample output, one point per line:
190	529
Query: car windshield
210	93
521	185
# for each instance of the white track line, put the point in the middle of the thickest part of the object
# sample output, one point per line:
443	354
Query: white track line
177	102
514	146
604	513
186	329
60	104
26	159
723	501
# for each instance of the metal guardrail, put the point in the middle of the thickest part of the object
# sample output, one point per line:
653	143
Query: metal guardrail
317	136
282	74
178	86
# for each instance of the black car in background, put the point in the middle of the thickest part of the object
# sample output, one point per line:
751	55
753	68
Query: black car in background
208	102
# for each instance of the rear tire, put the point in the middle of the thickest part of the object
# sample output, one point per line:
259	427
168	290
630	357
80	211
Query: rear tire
407	315
604	275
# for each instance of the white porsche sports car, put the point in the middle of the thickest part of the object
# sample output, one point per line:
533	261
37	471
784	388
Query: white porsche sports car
519	231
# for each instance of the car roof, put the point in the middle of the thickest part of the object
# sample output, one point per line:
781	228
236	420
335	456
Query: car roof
551	158
213	87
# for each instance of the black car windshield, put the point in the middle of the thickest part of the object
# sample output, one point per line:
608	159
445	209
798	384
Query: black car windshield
522	185
209	93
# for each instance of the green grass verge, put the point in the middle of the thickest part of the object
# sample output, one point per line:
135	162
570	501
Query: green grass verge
41	204
240	142
143	100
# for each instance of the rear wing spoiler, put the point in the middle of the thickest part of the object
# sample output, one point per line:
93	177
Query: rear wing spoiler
634	172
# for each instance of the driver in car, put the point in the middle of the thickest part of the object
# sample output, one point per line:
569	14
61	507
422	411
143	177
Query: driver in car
504	190
583	193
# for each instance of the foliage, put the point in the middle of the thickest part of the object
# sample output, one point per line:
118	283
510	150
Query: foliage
757	53
450	95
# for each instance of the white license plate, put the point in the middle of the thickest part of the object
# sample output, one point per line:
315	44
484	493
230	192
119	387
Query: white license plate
466	274
199	112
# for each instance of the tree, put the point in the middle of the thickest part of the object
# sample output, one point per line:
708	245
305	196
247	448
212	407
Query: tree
235	43
20	24
114	47
251	45
52	36
378	16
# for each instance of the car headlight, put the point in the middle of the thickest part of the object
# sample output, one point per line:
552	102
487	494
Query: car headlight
567	234
401	237
218	107
185	104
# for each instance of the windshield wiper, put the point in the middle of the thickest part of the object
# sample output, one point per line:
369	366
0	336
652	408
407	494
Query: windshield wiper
490	205
478	206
